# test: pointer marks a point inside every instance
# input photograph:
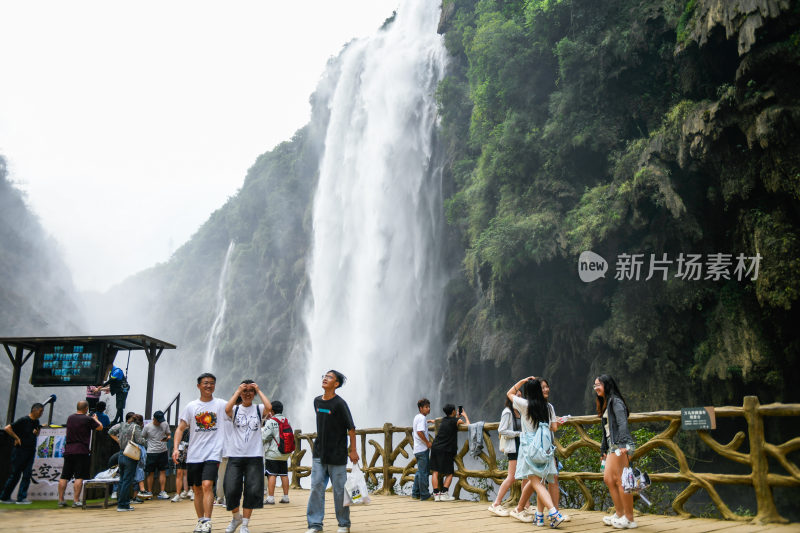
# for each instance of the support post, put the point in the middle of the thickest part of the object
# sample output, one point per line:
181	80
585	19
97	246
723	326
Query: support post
767	512
16	362
153	353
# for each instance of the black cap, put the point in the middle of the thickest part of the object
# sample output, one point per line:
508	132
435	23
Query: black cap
158	415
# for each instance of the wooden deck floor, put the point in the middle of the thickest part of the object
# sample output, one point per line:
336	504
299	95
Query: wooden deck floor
385	514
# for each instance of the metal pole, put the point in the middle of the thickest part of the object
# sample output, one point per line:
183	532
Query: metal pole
152	359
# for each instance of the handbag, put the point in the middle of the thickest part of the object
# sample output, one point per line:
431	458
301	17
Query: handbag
634	481
131	450
503	443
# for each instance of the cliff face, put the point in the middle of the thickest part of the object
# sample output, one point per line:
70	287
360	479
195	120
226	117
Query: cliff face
37	297
624	129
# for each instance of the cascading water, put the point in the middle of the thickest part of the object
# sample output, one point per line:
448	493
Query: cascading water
216	326
376	274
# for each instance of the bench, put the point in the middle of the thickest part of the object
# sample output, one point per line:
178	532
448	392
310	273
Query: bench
105	484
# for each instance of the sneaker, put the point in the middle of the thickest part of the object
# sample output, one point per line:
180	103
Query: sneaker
114	495
219	502
436	496
206	527
244	529
522	516
62	504
556	519
176	498
565	517
77	504
199	527
7	502
124	509
23	502
445	497
538	519
270	500
343	530
162	495
609	520
190	494
284	499
623	523
184	494
499	510
137	500
235	522
146	494
312	530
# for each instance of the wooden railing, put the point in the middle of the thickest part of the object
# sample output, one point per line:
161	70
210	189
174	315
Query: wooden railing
760	478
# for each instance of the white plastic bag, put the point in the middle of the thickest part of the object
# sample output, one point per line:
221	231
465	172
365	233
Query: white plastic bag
355	488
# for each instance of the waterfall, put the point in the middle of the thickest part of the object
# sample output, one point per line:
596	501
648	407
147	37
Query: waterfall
376	275
216	326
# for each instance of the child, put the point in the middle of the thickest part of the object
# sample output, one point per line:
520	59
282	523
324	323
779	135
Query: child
444	450
274	461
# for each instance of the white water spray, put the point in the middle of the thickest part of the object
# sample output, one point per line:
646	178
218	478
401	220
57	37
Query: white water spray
376	275
216	327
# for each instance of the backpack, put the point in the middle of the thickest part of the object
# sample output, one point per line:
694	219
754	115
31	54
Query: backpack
285	438
543	447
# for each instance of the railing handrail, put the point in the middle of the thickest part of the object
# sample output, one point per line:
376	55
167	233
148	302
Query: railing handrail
759	478
168	410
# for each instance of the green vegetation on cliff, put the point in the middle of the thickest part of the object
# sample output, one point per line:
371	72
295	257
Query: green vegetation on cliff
651	127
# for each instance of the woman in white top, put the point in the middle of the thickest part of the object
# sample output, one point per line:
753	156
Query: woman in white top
509	428
535	418
552	488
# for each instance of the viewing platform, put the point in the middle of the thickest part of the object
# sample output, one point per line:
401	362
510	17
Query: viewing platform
384	514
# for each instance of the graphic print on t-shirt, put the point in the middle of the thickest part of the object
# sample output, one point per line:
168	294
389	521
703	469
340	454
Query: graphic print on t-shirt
206	421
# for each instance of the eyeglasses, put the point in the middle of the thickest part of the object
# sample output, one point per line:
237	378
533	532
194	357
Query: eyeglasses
328	376
208	383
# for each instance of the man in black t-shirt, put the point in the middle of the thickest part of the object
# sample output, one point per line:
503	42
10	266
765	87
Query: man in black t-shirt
334	425
24	432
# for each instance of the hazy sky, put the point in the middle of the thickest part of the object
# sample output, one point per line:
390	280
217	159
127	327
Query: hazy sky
128	123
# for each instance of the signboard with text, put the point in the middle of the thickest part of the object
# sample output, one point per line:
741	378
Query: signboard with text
68	364
698	418
47	465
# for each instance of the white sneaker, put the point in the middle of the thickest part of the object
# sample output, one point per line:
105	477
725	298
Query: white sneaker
190	494
244	529
162	495
343	530
176	498
207	526
184	494
199	527
624	523
270	500
235	522
522	516
436	497
499	510
312	530
445	497
284	499
114	495
145	494
609	520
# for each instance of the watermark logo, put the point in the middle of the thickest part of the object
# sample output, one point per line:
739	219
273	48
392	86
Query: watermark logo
591	266
689	267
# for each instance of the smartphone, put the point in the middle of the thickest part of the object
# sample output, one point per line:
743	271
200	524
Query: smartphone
460	409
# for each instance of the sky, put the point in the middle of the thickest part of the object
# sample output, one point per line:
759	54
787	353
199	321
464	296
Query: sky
128	123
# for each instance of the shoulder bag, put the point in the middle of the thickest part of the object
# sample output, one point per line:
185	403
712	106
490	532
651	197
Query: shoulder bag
131	450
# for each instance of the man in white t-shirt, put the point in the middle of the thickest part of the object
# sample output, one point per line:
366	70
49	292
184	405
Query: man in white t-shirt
203	419
245	451
422	447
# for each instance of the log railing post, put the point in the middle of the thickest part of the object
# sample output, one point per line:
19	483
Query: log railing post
767	512
388	480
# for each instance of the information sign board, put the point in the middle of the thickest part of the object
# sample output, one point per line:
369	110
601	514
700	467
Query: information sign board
68	364
696	418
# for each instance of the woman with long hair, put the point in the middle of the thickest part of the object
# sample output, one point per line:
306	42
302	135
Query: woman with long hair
552	488
535	419
510	428
615	449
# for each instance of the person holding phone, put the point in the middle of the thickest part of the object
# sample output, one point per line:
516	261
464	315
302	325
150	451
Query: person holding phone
444	449
157	434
